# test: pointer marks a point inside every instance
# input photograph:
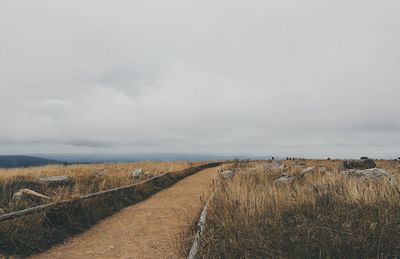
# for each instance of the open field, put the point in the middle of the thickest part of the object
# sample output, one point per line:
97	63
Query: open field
50	224
320	213
84	179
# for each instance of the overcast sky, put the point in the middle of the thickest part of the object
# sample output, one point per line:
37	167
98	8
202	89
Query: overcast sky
311	78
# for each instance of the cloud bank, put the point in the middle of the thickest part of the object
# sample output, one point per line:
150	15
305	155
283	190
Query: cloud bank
291	78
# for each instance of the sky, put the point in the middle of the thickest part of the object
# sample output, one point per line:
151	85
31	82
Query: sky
309	78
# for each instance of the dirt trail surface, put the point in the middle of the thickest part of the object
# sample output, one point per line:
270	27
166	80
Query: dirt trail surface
146	230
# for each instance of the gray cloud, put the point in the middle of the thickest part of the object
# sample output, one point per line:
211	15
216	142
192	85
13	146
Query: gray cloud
307	78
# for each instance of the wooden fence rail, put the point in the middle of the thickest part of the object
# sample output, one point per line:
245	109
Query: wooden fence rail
63	204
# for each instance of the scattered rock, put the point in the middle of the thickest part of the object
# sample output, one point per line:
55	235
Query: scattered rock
359	164
137	172
322	170
227	174
367	173
29	195
284	179
59	180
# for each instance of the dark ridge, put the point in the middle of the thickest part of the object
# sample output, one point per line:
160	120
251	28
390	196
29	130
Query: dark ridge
25	161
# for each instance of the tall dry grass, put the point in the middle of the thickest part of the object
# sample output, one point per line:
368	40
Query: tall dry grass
319	215
86	179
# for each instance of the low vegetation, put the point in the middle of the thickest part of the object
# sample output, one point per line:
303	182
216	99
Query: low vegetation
320	213
84	179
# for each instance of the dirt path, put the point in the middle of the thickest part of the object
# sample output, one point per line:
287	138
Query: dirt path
145	230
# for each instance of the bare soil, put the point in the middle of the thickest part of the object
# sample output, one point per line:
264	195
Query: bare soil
145	230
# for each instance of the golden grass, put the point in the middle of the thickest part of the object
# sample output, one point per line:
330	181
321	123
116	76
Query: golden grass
320	215
32	173
86	179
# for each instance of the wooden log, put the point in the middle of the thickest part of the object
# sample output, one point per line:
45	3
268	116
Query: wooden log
200	231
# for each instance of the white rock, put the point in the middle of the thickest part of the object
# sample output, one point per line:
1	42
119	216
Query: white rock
227	174
137	172
276	166
322	170
367	173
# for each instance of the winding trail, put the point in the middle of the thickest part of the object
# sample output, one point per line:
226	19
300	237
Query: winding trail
145	230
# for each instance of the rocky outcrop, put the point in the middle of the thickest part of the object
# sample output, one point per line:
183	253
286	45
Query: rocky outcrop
359	164
227	174
138	172
275	166
284	179
372	173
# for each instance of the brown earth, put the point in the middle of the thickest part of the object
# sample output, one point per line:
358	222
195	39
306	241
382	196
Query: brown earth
145	230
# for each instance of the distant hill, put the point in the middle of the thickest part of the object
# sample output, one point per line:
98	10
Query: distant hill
24	161
110	158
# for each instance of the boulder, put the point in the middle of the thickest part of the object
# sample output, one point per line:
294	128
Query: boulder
322	170
284	179
367	173
275	166
29	195
359	164
59	180
137	172
227	174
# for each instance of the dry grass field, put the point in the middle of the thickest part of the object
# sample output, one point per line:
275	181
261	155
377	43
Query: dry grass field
322	213
85	179
37	231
